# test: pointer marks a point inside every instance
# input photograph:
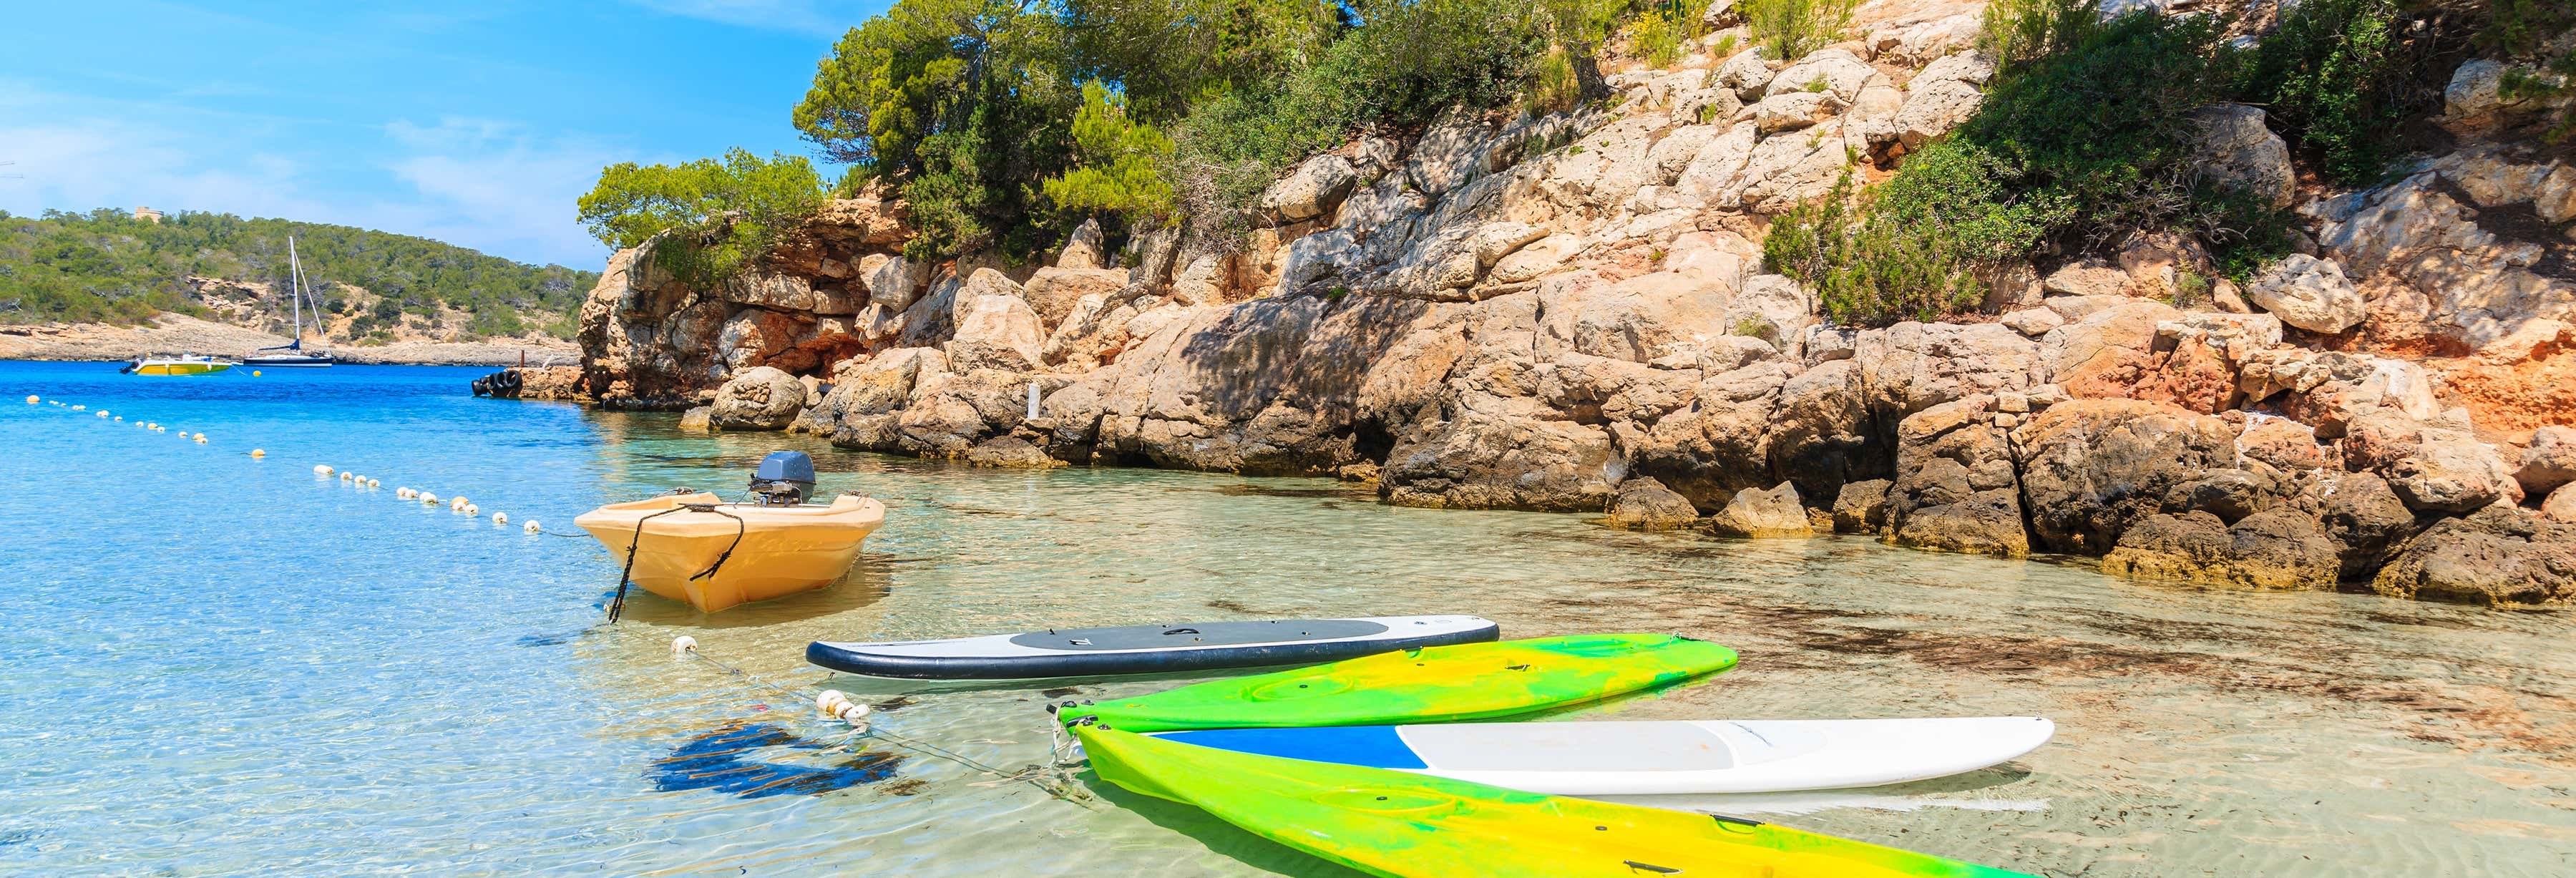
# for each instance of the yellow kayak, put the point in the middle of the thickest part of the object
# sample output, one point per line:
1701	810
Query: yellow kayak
766	551
1400	825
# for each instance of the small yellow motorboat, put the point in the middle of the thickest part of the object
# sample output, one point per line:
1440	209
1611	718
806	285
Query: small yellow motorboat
183	364
697	548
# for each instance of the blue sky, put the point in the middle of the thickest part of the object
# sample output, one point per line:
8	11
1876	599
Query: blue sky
473	122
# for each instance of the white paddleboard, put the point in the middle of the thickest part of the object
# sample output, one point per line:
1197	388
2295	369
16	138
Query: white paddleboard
1148	649
1615	758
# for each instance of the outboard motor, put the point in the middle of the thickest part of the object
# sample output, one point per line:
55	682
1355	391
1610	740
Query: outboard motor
783	479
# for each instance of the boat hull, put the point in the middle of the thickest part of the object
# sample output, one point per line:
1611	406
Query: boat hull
181	368
772	552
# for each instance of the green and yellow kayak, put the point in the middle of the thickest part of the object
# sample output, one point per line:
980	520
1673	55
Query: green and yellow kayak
1395	824
1434	684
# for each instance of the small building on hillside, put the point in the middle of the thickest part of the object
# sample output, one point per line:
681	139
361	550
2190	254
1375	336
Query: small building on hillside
146	213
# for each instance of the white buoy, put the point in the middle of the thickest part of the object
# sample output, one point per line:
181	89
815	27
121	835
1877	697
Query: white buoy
855	714
473	510
374	484
321	469
80	408
201	438
532	527
258	452
457	503
345	476
683	645
830	701
500	518
102	413
428	499
32	399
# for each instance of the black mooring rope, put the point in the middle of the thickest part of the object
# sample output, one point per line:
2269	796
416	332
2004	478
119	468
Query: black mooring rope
625	577
739	526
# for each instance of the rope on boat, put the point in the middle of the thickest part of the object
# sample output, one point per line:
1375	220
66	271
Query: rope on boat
1046	778
626	577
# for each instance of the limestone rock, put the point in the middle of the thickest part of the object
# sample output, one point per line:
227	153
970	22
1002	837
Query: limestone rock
2501	555
1746	73
996	332
2453	474
698	418
1761	514
893	281
1315	188
2309	293
1955	488
2236	149
1861	508
1795	110
2549	462
1083	249
2271	550
1934	107
2561	505
2366	521
2092	467
1010	452
1052	292
1837	72
762	398
2087	278
1645	504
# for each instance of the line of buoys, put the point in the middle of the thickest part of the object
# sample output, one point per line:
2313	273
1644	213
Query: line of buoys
458	504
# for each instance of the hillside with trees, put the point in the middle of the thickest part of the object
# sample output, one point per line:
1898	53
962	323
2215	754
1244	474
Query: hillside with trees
105	266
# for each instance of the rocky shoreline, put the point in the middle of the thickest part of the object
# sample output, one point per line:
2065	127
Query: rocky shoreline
179	333
1570	312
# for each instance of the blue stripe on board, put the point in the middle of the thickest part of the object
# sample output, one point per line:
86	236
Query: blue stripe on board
1370	746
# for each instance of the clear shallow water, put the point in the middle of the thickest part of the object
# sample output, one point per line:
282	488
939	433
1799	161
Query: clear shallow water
217	665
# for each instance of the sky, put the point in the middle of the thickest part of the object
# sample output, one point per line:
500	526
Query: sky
475	122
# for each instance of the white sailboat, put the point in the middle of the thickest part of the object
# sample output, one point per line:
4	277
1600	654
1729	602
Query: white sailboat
292	354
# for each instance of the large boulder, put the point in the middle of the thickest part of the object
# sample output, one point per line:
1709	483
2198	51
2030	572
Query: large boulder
2549	462
1837	72
2309	293
2276	550
1940	98
1772	513
1312	190
2237	150
2090	468
996	332
2453	473
1053	292
1861	507
2366	521
762	398
1955	489
2501	555
1645	504
1504	453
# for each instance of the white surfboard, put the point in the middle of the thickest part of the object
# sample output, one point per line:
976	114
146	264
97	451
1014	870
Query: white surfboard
1148	649
1614	758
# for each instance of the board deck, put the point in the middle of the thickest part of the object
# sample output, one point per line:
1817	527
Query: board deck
1657	758
1148	649
1437	684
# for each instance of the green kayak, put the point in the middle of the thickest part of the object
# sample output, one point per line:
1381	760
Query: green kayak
1434	684
1396	824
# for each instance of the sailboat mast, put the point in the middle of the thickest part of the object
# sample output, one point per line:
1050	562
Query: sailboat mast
295	278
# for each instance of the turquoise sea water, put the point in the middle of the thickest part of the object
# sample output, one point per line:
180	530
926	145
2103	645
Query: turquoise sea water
211	664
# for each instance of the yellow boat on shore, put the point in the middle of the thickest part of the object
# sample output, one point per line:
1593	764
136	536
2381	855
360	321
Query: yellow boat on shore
715	555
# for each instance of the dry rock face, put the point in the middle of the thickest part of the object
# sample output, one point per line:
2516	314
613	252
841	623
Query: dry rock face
1570	312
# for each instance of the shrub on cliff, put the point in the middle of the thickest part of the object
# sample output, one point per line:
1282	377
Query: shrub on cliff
728	212
1119	165
2085	140
2341	77
1793	28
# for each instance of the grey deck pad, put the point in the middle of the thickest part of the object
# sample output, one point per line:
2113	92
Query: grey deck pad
1197	634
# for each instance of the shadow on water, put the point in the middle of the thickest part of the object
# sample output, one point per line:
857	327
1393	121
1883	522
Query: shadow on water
723	760
1219	836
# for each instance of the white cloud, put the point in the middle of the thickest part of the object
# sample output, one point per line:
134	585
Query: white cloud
475	183
822	17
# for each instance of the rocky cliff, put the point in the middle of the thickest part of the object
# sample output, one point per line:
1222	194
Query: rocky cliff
1570	312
